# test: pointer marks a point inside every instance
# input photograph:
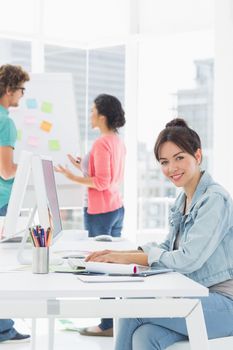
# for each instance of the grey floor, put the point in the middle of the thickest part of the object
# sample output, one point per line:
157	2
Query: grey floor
64	339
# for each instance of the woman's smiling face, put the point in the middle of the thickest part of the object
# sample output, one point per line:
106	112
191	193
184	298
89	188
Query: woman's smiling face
179	166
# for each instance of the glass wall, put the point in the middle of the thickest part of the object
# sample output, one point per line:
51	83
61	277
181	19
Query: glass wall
174	75
175	80
94	72
15	52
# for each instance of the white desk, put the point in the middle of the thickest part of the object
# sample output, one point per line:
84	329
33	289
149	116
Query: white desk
23	294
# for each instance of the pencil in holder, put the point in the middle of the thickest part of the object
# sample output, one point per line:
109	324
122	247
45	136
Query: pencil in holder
40	259
41	237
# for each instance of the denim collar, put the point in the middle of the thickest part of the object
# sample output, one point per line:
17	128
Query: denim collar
202	186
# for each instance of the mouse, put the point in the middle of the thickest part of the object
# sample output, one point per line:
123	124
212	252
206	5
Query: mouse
103	238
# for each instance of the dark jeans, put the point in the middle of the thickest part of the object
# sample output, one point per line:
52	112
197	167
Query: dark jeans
6	326
7	330
110	223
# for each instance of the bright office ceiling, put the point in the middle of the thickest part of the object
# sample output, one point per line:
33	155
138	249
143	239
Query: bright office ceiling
92	22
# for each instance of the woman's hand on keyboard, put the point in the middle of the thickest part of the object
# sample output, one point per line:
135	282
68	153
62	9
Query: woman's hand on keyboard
109	256
95	255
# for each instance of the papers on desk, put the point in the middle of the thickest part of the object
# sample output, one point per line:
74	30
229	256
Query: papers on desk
109	279
114	269
119	277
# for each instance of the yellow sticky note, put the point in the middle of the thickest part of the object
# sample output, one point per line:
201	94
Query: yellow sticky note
54	145
47	107
19	135
46	126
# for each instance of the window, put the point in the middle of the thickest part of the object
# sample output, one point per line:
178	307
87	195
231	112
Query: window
15	52
94	72
173	81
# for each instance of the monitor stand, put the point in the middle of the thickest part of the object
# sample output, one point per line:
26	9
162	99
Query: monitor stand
20	255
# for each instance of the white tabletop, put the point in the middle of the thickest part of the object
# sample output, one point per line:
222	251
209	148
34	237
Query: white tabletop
57	285
25	284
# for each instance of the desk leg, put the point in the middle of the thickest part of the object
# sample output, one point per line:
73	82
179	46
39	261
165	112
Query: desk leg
196	329
51	330
115	329
33	335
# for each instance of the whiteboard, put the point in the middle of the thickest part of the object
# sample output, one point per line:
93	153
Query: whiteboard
47	121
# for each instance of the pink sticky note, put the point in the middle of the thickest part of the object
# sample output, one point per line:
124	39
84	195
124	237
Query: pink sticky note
33	141
29	120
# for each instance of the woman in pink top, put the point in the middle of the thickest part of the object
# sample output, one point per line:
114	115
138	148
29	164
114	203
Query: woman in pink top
103	168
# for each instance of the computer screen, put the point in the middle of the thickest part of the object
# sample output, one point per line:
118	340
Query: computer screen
51	192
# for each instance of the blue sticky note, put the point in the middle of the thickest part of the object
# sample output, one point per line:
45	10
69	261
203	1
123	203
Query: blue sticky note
31	103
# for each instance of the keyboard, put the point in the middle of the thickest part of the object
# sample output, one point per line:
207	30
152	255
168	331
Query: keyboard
76	263
16	239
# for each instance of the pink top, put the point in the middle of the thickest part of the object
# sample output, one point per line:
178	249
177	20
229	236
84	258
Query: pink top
106	167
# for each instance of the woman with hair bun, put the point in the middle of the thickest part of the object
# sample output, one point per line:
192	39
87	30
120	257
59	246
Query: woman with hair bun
103	170
199	244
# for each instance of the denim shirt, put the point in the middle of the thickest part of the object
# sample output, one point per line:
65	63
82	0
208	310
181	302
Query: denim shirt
205	251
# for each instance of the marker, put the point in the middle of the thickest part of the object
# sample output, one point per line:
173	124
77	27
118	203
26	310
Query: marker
42	236
34	241
49	237
35	233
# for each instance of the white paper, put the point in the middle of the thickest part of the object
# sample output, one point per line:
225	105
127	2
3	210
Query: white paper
107	279
111	268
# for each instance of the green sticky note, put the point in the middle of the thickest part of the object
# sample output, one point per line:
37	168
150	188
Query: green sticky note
54	145
19	135
47	107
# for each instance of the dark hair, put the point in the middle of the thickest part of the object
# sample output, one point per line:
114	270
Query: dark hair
11	77
110	107
178	132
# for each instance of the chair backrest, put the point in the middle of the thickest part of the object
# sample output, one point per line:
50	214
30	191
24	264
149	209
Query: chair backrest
225	343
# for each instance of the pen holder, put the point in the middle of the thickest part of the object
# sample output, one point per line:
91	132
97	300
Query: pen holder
40	260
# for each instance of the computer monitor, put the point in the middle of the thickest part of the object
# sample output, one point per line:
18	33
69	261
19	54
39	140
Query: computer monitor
52	198
11	224
46	201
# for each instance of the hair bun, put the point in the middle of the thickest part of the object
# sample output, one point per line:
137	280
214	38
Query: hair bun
177	122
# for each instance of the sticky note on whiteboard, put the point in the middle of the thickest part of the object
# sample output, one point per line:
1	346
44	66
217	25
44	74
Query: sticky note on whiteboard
19	135
29	120
54	145
46	126
33	141
31	103
47	107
